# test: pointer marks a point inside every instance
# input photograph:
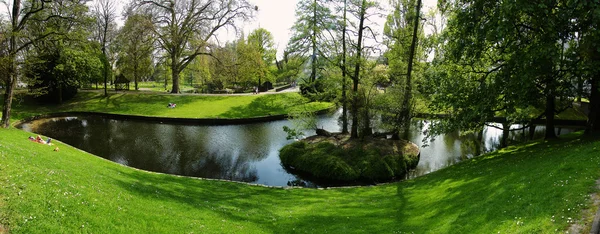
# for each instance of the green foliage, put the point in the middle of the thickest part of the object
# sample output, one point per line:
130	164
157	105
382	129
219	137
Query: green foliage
504	58
301	119
264	42
184	28
359	162
309	33
65	60
58	76
135	43
398	31
323	160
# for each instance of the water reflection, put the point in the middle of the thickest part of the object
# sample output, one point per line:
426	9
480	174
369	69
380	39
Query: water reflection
247	153
451	148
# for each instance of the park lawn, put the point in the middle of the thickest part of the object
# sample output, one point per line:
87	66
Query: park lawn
160	86
188	106
539	187
421	105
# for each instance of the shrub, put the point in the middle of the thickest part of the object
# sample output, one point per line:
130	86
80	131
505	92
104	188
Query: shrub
359	163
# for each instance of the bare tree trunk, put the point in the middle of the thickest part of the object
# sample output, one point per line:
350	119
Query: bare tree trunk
11	83
355	97
135	75
405	112
60	94
105	73
344	98
8	97
550	106
505	134
174	72
175	77
593	124
313	72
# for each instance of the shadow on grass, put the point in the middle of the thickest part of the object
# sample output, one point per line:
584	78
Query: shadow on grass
230	201
517	190
514	190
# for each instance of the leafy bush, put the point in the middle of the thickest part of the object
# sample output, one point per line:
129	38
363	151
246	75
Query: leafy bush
325	160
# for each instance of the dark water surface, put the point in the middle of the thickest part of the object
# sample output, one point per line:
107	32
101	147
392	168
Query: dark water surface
248	153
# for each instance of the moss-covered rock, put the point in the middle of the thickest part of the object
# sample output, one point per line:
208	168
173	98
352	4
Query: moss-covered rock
337	158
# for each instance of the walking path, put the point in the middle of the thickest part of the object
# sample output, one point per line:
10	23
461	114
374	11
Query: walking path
146	90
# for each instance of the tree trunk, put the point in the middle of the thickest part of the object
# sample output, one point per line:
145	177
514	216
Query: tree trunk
579	88
135	75
479	142
313	72
367	130
531	130
105	73
60	94
505	134
355	96
174	75
406	108
11	82
593	124
344	98
8	97
550	106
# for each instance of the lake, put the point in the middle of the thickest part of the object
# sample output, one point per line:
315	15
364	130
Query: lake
247	152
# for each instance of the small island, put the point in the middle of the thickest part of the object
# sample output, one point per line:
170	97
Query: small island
335	157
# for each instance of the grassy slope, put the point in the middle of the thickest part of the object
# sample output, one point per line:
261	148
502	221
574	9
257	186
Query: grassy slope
188	106
517	190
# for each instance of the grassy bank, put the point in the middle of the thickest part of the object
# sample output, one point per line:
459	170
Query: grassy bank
540	187
188	106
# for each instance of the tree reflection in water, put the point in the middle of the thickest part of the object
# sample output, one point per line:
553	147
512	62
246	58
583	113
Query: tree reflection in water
248	153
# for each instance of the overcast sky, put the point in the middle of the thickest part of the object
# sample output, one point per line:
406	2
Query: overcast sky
278	16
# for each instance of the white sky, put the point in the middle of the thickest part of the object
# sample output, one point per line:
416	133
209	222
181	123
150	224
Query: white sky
278	16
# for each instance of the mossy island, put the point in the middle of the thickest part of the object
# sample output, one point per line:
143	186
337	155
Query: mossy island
336	158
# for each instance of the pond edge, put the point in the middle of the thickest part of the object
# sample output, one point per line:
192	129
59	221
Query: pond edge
174	120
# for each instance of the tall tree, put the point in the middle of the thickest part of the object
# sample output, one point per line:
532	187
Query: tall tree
343	67
17	41
361	11
313	19
104	13
184	28
57	65
402	33
136	44
512	55
262	42
589	29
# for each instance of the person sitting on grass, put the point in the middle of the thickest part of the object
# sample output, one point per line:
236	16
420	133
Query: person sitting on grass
40	140
171	105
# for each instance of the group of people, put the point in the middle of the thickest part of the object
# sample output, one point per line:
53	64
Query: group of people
171	105
40	140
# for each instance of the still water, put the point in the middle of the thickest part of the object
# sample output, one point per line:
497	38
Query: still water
248	152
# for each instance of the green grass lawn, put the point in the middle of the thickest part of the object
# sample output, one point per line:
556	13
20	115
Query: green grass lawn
540	187
160	86
188	106
573	113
